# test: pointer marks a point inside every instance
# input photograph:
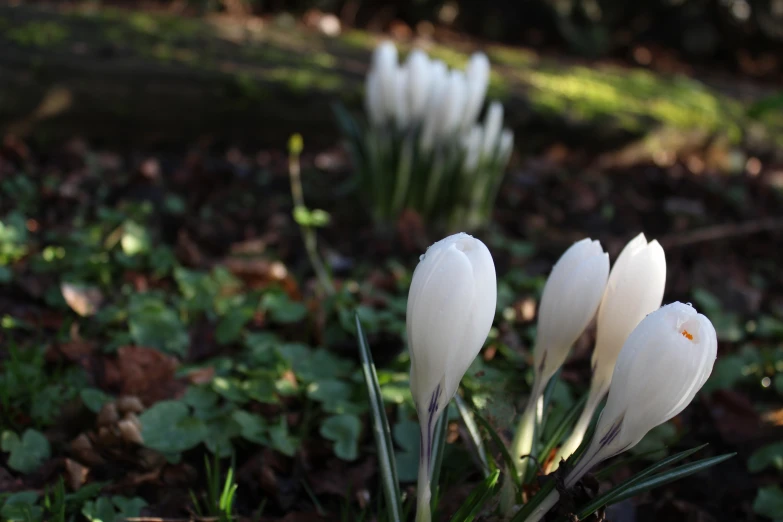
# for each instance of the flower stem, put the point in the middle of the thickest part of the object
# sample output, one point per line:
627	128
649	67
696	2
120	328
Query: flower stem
571	444
423	493
542	509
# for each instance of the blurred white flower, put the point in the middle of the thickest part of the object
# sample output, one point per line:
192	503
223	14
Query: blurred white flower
420	78
493	126
477	73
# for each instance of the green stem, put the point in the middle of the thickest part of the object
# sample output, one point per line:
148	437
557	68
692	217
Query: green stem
574	440
308	234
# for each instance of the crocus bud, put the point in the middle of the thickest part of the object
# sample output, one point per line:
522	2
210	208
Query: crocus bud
493	125
506	146
477	73
418	69
663	364
385	65
452	110
634	289
571	297
435	102
401	107
451	305
372	99
471	145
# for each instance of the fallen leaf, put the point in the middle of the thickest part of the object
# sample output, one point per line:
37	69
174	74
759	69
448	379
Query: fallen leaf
145	373
84	300
76	474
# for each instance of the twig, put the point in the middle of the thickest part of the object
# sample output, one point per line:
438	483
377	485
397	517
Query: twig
725	231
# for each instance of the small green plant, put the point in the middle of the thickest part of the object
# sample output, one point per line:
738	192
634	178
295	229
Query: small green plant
422	148
219	502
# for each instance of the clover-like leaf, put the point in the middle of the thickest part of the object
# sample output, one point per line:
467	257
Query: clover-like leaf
26	453
766	456
344	431
281	309
769	502
153	324
169	428
282	440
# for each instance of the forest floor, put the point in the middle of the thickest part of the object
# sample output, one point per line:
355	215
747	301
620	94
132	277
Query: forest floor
158	308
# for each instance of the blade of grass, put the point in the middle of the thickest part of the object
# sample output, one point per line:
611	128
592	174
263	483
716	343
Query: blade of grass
607	471
383	442
509	462
661	479
474	434
532	504
477	498
619	489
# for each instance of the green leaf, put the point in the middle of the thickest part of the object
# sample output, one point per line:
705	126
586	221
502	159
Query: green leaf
135	239
28	453
153	324
128	507
654	445
169	428
477	498
602	499
509	462
334	396
666	477
477	443
344	431
281	438
261	388
99	510
383	443
315	218
406	435
252	427
769	455
230	388
779	383
726	373
232	324
769	502
20	506
197	288
94	399
281	309
6	275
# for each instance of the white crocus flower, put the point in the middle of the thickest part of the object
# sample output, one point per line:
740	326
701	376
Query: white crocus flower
506	146
571	297
385	66
435	101
471	145
493	126
477	73
372	99
635	288
451	305
420	77
663	364
451	111
402	109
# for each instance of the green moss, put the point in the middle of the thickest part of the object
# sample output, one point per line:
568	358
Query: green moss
303	80
632	97
38	34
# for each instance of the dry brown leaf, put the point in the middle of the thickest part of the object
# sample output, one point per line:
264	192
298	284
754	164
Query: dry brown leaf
84	300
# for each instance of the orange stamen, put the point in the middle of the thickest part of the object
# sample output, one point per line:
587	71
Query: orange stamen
687	335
